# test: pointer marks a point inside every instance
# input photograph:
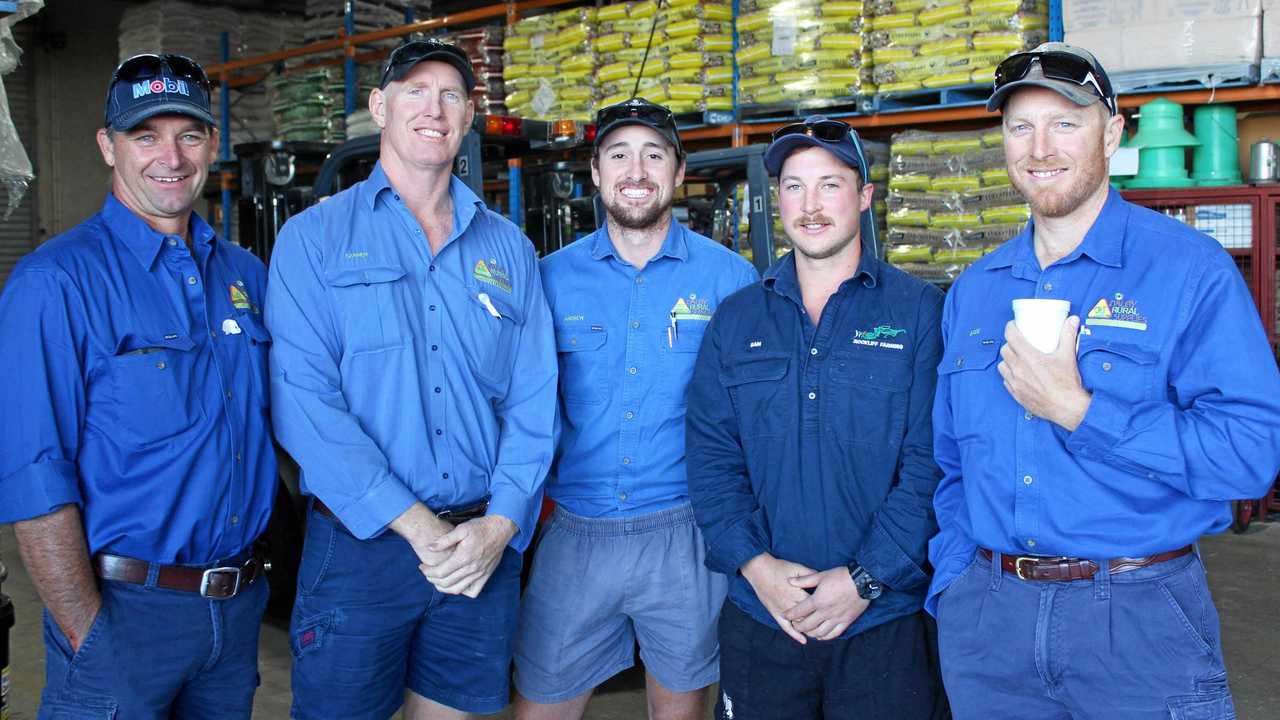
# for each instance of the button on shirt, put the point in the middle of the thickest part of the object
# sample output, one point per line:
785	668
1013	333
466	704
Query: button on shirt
1185	411
814	443
403	377
134	378
626	353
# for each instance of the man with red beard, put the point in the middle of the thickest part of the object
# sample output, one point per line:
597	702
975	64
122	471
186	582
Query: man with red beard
810	461
621	560
1077	481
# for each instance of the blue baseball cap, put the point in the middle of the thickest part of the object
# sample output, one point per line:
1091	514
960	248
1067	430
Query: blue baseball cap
148	85
836	138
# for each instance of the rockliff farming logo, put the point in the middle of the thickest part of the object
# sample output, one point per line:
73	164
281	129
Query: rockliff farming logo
879	337
160	85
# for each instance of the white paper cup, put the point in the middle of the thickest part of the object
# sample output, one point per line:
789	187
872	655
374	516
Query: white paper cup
1040	321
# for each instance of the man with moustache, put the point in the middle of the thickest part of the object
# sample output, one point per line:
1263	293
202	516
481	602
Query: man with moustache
1076	482
810	460
135	458
414	379
621	560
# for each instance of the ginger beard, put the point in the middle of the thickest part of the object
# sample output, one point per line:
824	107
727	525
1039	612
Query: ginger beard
1059	175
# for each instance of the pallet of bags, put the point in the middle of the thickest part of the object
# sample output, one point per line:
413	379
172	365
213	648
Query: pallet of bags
549	65
801	51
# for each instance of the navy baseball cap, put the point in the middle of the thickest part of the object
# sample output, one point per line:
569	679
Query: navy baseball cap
406	56
836	138
148	85
638	111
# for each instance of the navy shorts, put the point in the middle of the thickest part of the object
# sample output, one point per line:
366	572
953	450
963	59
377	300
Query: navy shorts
1139	645
367	626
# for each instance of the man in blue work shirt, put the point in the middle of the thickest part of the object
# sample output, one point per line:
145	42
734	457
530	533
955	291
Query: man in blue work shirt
414	381
1076	481
810	459
622	559
133	433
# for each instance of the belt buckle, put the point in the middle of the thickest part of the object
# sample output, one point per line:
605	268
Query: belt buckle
209	574
1017	567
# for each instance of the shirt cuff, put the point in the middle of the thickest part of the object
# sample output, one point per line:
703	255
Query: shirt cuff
519	509
736	545
39	489
369	515
886	562
1101	429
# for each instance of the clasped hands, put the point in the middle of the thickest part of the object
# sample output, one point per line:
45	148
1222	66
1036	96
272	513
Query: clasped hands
458	560
783	587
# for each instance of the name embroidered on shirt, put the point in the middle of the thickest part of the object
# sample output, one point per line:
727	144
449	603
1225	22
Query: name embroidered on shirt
493	274
1118	313
875	337
355	255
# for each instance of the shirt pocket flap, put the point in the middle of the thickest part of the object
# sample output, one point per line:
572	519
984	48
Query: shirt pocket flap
136	345
1137	354
969	357
856	367
253	327
754	368
347	277
579	340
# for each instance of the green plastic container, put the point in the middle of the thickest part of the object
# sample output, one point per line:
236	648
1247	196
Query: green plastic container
1217	160
1162	142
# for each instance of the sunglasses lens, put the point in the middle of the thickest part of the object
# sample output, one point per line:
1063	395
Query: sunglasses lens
142	67
824	130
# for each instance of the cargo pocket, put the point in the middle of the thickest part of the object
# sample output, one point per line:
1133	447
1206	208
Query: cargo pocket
311	634
1211	701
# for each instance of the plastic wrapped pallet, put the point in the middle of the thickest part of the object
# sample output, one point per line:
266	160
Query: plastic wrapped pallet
801	50
550	64
1130	36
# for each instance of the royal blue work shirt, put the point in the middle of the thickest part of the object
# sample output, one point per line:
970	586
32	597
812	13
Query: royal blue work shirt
1185	412
399	377
134	378
627	340
814	444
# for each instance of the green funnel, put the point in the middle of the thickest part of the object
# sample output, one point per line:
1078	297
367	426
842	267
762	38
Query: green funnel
1162	143
1216	161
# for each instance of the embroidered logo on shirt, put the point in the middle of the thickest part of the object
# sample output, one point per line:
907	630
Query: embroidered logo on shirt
877	336
692	308
493	274
240	298
755	344
1118	313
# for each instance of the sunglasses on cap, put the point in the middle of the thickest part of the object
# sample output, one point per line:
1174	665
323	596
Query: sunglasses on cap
142	67
412	52
825	130
1057	65
636	108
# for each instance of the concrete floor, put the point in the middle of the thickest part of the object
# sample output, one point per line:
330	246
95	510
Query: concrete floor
1244	574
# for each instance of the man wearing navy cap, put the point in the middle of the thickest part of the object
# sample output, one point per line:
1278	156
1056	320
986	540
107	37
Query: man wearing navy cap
1076	482
810	457
621	561
414	381
136	461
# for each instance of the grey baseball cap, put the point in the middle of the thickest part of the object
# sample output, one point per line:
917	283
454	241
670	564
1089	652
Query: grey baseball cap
1068	70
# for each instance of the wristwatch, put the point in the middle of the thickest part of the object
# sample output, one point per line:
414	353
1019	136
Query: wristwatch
869	588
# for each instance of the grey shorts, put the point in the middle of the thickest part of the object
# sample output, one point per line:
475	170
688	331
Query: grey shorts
600	585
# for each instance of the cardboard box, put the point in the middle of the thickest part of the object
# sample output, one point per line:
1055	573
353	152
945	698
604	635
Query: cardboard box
1270	28
1133	35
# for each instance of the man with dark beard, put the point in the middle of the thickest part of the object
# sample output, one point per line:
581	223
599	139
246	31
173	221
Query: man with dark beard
810	464
621	560
1076	481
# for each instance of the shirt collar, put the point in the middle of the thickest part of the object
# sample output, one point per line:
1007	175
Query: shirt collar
781	276
465	202
1104	242
144	241
674	246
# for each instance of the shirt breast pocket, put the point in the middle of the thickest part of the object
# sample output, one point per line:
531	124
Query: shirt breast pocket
151	389
366	300
759	395
493	323
679	351
582	365
258	345
1122	370
867	398
969	369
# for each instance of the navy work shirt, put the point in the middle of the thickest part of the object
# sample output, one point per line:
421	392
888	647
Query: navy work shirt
399	376
1185	412
134	382
627	340
814	444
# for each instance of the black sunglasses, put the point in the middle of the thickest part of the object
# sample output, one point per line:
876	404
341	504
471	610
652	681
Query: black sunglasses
142	67
825	130
636	108
1057	65
412	52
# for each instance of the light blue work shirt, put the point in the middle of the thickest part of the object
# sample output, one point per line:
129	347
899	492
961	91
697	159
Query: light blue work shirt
1185	412
398	376
627	341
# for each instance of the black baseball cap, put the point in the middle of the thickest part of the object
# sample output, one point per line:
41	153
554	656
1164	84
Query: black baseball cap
148	85
1070	71
638	111
406	56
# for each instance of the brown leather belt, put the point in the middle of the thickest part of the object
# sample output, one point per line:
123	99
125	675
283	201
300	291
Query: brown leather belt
453	516
1060	569
217	583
